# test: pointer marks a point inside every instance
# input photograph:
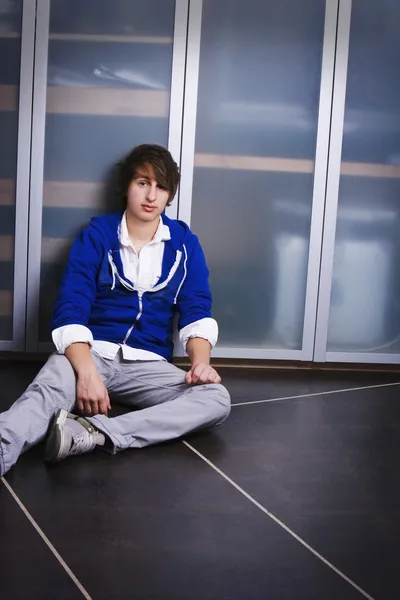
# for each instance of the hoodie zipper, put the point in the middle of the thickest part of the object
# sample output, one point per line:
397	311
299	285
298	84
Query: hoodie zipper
131	328
116	275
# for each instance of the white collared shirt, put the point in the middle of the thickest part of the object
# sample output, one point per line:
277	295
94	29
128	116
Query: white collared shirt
144	270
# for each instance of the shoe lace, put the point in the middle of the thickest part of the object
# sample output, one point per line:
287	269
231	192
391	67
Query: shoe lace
82	443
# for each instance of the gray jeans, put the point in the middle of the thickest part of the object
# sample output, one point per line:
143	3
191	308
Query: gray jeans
169	408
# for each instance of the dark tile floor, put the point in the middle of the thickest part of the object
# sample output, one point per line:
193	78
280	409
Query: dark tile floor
28	569
162	523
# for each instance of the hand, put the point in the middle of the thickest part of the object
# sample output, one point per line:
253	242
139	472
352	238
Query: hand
91	394
201	373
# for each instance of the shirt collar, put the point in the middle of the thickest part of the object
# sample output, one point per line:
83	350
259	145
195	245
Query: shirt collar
162	234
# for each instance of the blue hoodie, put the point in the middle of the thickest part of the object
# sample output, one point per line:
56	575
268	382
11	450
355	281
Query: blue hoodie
95	292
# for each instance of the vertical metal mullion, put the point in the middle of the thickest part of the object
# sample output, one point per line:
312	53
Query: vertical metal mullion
320	176
177	89
37	173
190	109
333	180
23	173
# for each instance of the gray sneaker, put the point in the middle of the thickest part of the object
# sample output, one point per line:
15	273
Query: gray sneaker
70	435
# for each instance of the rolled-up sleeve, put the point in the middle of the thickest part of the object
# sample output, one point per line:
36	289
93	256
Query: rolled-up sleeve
206	328
70	334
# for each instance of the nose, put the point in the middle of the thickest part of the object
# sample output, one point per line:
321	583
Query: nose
152	192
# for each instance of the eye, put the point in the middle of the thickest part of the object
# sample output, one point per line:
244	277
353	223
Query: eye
161	187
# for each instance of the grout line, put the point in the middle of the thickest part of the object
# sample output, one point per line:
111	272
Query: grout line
355	389
278	522
46	540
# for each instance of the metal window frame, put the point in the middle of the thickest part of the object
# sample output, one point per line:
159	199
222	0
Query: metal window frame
321	354
22	178
36	175
320	175
190	108
333	182
177	91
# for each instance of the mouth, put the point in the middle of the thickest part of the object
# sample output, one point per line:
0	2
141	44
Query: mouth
149	208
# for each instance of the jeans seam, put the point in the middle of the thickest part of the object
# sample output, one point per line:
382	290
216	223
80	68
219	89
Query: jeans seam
155	386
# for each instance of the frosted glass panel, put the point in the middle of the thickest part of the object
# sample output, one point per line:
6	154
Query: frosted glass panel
365	306
259	81
10	56
109	82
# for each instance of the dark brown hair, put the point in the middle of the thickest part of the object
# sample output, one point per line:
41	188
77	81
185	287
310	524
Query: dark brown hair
159	159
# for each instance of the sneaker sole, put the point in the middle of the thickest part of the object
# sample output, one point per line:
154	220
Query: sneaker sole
56	437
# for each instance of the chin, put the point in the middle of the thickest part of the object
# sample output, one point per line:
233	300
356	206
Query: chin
143	216
148	217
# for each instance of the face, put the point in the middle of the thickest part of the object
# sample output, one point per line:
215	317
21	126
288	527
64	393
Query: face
146	199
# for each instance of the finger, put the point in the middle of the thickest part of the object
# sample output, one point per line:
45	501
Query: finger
95	406
79	404
104	406
108	401
198	373
208	373
205	377
188	377
89	408
213	377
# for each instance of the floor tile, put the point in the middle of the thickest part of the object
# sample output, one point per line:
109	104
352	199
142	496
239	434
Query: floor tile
28	569
327	466
247	385
160	524
15	376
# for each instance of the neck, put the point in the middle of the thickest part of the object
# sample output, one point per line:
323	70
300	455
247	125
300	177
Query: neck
139	230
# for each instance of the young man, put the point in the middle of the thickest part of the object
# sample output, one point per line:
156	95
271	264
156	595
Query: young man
128	274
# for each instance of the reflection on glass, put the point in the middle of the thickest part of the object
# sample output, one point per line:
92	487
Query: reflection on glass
10	55
365	308
109	81
257	115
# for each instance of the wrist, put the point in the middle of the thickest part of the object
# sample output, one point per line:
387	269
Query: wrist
85	372
199	351
81	359
199	361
